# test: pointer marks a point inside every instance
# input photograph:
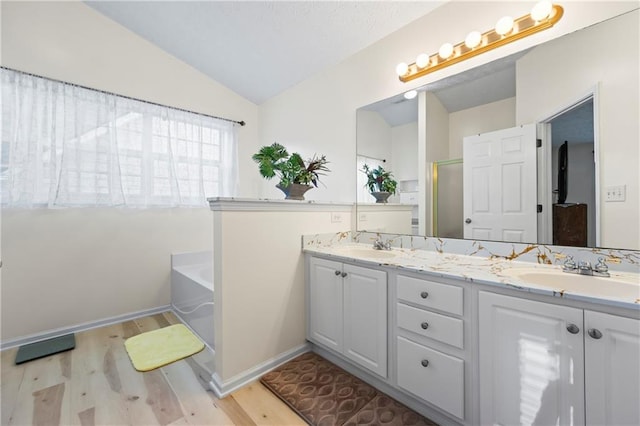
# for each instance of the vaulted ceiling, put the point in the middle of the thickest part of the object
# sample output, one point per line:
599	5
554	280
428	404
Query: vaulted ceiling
260	48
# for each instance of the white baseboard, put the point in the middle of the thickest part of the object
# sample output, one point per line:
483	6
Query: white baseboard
32	338
222	389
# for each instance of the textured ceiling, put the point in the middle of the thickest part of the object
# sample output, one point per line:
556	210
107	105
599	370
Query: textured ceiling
260	48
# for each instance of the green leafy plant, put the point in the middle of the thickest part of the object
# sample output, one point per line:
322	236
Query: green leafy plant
274	160
379	180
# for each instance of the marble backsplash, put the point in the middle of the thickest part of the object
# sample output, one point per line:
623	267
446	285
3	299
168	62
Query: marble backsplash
616	259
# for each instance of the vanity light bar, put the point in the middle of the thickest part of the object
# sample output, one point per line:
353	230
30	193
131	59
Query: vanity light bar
492	39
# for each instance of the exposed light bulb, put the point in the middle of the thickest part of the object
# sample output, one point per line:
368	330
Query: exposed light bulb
473	39
541	10
504	25
445	50
402	69
410	94
422	60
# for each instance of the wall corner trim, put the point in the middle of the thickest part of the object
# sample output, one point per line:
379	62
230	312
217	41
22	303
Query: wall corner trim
222	389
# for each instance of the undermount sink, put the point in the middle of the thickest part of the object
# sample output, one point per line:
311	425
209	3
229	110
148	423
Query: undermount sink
366	252
622	286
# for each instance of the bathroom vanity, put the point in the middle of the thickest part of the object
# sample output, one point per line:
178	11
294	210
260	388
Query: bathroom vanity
474	339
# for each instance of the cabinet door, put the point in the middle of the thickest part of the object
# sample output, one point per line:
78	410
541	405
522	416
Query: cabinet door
612	369
365	318
531	362
325	307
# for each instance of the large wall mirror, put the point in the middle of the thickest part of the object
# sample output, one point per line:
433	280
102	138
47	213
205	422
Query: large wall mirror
538	147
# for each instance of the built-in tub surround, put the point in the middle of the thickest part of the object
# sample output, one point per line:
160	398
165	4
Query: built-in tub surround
192	292
516	266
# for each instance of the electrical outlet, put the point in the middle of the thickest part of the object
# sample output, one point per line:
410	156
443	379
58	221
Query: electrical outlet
336	217
615	193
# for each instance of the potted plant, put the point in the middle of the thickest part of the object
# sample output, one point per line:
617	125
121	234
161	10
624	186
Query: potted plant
380	183
296	176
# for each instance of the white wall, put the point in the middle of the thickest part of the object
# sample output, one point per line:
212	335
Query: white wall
259	275
404	146
65	267
613	67
374	135
481	119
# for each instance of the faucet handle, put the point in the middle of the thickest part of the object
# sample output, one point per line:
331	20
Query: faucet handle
569	264
601	266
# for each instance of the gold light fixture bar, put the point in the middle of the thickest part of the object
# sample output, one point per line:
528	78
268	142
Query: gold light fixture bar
522	27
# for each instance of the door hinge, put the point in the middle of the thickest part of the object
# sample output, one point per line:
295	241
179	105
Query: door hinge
538	143
539	208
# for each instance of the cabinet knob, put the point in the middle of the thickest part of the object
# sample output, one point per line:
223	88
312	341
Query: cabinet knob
595	333
467	221
344	274
424	325
337	272
424	294
424	362
573	329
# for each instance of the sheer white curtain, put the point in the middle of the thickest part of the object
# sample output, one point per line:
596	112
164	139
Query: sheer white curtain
363	194
64	145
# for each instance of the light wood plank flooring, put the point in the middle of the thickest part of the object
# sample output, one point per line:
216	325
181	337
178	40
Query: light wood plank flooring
95	384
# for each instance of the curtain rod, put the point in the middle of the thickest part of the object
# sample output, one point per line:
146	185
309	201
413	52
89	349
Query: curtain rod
242	123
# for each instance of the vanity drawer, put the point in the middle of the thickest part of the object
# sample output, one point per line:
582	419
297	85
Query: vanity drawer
432	376
429	324
429	294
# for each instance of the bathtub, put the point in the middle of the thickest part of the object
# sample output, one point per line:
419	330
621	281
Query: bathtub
192	292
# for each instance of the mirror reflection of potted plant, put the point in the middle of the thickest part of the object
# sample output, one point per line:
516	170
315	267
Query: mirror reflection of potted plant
296	176
380	183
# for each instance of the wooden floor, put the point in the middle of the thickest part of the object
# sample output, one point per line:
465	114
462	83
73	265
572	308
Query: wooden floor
95	384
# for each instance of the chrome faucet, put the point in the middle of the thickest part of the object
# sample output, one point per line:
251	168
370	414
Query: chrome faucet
378	244
584	267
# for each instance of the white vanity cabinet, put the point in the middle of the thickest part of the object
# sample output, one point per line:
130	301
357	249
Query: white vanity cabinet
348	312
538	362
612	369
430	340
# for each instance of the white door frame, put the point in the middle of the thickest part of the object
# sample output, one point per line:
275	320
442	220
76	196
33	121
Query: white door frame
545	221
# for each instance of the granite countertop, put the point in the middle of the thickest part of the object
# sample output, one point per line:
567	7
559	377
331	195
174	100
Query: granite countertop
622	289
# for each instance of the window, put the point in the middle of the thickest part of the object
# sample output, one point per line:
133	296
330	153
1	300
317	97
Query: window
64	145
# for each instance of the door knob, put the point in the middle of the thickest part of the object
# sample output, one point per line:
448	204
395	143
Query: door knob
467	220
595	333
573	329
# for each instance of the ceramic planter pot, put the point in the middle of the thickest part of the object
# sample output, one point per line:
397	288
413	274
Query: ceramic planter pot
381	197
295	191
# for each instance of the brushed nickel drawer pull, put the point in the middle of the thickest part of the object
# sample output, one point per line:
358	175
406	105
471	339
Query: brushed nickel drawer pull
424	294
425	363
424	325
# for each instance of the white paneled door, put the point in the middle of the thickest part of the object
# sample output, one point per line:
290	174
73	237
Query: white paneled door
365	317
612	369
531	362
499	174
325	292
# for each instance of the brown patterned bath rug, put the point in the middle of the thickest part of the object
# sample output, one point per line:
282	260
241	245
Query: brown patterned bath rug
326	395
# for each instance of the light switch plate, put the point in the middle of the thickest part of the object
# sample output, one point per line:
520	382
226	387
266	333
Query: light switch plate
336	217
615	193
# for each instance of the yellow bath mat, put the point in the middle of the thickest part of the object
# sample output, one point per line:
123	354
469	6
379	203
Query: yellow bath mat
156	348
